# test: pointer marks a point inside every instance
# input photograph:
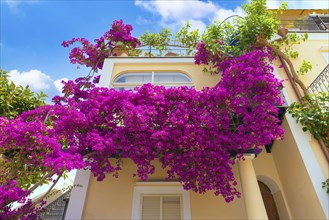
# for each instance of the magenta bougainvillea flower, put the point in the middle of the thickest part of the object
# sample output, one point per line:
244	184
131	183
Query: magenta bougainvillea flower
192	133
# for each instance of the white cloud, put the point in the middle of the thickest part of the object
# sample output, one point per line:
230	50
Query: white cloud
59	85
197	24
13	4
143	21
34	78
179	10
222	13
176	13
37	81
299	4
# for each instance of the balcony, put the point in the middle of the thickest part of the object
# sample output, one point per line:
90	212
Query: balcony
321	83
312	23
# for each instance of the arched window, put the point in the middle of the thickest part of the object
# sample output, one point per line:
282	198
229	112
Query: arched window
169	79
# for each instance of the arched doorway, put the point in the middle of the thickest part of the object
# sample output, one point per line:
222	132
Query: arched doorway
269	202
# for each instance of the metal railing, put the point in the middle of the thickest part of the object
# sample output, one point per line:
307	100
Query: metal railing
312	23
321	83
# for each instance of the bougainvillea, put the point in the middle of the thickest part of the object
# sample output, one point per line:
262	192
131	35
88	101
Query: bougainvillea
11	192
93	55
193	133
196	135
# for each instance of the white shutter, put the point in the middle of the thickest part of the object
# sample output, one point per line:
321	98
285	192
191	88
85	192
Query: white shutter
171	208
156	207
151	207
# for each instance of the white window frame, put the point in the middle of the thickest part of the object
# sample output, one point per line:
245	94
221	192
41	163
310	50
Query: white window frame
159	188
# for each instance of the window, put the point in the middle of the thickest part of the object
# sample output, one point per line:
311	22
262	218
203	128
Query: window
162	207
133	79
154	201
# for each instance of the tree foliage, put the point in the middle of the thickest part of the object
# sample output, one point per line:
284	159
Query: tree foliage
188	38
160	41
15	175
16	99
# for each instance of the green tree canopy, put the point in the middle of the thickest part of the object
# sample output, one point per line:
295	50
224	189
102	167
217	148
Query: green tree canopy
16	99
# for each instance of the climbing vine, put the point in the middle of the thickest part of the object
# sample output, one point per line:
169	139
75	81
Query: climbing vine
313	115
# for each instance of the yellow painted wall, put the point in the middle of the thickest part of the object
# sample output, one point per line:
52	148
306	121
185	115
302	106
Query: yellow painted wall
199	77
209	206
320	157
296	184
294	194
282	205
112	198
311	50
267	173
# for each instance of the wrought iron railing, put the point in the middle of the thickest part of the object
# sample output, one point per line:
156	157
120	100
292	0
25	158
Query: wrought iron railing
311	23
56	210
321	83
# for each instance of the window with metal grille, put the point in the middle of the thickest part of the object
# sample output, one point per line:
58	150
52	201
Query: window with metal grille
161	207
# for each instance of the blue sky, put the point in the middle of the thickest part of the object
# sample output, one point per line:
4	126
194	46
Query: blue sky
32	30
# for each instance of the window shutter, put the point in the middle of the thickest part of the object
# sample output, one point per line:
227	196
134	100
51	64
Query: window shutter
171	209
151	207
161	207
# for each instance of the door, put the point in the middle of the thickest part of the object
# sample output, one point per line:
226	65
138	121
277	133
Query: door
269	202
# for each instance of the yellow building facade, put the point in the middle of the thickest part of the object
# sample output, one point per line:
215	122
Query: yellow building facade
281	183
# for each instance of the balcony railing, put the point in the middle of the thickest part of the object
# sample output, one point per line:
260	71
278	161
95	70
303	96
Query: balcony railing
321	83
310	23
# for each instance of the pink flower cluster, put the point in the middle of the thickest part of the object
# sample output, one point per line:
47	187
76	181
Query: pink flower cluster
210	58
202	55
93	55
192	133
11	192
121	33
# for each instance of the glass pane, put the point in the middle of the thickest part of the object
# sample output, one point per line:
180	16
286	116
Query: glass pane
124	88
171	77
159	77
134	78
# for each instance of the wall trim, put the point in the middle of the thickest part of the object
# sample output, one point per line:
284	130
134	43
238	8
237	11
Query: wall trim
78	195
